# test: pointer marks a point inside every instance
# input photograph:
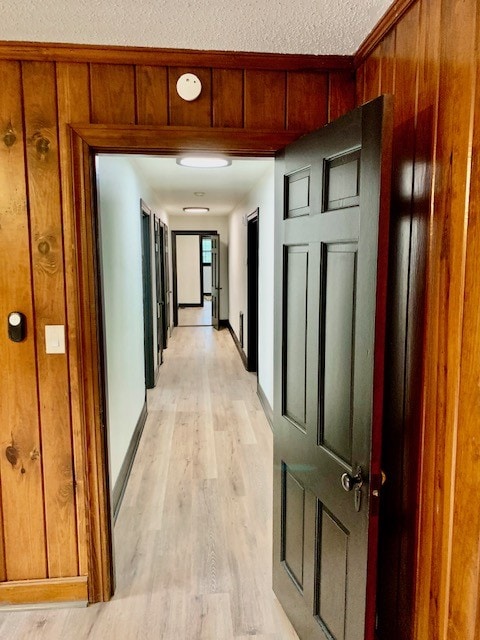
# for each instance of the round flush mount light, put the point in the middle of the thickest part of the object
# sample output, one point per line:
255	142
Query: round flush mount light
204	162
199	193
196	209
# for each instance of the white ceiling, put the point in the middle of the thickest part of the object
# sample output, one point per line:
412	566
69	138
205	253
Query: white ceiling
224	188
275	26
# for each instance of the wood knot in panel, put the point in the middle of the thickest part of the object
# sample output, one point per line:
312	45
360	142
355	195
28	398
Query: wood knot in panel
12	454
47	258
9	137
42	144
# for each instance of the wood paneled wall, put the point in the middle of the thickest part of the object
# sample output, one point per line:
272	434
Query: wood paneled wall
43	445
431	519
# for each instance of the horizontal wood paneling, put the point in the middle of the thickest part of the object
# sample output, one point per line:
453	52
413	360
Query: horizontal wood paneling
429	60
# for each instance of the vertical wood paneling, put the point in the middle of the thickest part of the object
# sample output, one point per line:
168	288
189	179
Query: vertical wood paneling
227	92
151	95
265	99
199	111
20	468
112	93
311	114
56	454
373	70
405	299
360	85
341	95
73	106
387	76
464	620
454	144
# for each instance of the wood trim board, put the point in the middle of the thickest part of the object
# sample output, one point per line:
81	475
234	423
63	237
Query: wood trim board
393	15
52	590
61	52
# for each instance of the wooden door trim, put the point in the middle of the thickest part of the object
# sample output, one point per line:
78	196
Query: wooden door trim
171	140
81	271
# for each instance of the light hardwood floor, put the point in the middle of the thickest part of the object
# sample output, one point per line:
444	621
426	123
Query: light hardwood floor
195	316
193	537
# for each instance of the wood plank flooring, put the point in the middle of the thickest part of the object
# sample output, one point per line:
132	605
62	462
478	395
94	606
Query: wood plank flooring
195	316
193	537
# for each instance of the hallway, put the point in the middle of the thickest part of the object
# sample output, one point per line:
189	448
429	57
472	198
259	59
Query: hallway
193	536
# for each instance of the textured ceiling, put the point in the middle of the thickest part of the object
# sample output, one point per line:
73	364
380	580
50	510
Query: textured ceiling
224	188
276	26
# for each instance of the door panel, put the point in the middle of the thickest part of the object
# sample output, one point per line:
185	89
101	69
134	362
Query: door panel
295	326
331	256
216	281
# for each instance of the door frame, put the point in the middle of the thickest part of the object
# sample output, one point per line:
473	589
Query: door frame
200	235
148	302
252	293
82	269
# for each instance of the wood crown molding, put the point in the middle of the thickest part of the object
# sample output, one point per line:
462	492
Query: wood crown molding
59	52
381	29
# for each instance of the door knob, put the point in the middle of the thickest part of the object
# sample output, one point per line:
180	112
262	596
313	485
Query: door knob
352	482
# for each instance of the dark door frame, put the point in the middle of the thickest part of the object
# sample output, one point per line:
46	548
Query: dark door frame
146	236
252	290
201	234
159	289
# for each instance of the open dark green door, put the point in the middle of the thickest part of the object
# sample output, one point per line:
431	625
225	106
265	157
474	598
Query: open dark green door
332	206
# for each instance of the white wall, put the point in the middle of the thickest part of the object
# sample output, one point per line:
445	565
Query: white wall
209	223
207	279
261	196
188	270
119	191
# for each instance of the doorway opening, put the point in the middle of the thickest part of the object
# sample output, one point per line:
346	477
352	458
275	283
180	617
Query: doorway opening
194	274
143	249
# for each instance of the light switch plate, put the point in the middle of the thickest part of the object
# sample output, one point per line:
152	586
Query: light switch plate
55	338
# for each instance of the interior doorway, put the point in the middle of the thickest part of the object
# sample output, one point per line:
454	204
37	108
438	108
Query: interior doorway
193	273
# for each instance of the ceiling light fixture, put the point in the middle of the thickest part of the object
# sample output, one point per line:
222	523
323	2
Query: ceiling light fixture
196	209
204	162
199	193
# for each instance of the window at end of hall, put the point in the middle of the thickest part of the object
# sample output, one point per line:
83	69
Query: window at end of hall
206	251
